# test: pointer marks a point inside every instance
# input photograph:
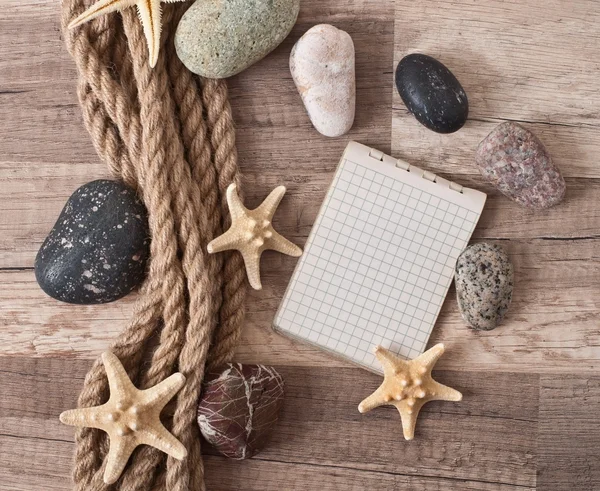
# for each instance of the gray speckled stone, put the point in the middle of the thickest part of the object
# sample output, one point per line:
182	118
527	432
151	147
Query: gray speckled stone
517	164
484	285
97	250
220	38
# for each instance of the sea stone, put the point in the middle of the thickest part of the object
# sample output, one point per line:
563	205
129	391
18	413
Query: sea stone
322	66
238	407
432	93
218	38
513	160
484	285
97	250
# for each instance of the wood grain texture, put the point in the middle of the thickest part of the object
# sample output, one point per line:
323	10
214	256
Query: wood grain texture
552	323
529	419
320	428
569	428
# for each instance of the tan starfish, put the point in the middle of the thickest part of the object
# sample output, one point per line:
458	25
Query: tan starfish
408	386
251	232
149	12
131	417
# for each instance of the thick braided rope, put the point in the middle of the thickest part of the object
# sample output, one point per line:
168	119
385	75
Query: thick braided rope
222	136
164	262
149	128
92	443
200	276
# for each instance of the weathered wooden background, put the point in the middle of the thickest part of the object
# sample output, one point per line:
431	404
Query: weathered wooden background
530	418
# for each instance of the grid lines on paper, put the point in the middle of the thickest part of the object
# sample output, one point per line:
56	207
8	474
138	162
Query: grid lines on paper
376	268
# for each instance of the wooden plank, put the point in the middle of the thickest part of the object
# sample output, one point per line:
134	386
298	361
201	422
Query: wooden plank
319	415
551	324
569	432
263	475
30	214
522	61
518	59
30	464
573	148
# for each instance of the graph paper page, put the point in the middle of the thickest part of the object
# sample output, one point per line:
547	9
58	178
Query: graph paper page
378	262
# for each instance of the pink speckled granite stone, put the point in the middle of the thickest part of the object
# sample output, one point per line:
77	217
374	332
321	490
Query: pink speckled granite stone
239	406
517	164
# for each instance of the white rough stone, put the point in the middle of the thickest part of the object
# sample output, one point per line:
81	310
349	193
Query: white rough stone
322	66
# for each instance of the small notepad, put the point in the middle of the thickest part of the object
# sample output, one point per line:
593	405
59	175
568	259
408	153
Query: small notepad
380	258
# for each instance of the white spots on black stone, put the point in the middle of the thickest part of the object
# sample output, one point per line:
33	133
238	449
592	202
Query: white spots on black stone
93	288
88	256
432	93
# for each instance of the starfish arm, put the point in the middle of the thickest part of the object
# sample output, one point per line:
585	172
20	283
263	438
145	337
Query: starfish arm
388	360
100	8
431	356
87	416
280	244
376	399
236	207
444	393
229	240
159	395
118	380
158	437
252	262
268	207
408	416
150	14
118	455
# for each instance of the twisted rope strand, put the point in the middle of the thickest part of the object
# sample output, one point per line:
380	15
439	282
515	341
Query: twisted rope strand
149	127
220	122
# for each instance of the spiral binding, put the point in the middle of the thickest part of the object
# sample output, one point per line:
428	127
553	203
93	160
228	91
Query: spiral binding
425	174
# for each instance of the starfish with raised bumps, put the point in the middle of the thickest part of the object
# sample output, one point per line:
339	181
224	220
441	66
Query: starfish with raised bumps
251	233
150	14
408	385
131	417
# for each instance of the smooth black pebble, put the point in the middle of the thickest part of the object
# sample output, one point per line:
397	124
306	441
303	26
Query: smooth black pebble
98	248
432	93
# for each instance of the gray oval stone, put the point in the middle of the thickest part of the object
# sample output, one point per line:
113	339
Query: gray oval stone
514	161
484	284
218	39
98	248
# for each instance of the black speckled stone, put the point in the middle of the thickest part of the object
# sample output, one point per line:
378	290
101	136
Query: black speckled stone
432	93
97	250
484	279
